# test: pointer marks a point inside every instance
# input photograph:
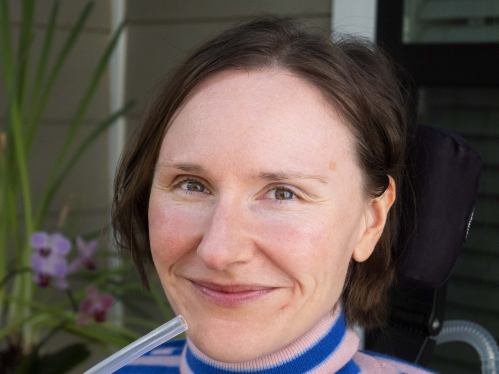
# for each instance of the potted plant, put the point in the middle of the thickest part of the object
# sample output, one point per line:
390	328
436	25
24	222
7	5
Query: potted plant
51	260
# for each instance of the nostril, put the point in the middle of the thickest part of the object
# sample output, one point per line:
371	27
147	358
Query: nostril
214	261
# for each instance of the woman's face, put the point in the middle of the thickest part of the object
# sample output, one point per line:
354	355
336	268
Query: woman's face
255	212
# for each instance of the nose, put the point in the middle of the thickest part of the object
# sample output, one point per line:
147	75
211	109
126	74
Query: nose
225	241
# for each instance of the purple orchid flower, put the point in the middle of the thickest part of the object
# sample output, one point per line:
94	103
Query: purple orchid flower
86	251
49	259
94	306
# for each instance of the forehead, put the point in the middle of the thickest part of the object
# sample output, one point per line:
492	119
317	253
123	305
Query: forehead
257	119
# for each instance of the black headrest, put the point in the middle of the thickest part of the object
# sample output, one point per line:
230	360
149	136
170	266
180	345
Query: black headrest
446	181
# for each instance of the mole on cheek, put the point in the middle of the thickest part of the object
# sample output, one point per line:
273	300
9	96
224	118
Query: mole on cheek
332	165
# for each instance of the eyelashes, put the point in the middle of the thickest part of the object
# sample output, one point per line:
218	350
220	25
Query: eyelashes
199	182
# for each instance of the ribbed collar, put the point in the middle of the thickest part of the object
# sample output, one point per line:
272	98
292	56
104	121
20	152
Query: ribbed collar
326	348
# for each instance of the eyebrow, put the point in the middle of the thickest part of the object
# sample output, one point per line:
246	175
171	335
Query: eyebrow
264	175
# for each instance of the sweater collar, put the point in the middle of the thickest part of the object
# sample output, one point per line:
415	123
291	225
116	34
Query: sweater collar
326	348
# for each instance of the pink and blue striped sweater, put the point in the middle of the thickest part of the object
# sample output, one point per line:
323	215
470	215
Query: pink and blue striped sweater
328	347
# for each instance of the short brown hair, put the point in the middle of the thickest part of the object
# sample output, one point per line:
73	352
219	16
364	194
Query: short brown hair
354	76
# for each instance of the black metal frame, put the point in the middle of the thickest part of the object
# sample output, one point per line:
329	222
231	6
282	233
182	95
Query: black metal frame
417	315
480	61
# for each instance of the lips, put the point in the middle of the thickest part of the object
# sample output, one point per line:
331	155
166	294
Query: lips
231	295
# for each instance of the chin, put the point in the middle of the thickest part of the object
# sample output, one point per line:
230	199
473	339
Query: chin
238	349
229	343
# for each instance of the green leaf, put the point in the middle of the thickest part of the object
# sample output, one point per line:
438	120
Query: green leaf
15	326
52	310
141	322
54	186
25	40
102	346
82	108
102	334
80	113
7	61
122	331
23	286
12	274
47	45
22	167
40	74
40	105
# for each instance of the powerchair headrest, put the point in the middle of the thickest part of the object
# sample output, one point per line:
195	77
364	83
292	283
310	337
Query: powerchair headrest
446	178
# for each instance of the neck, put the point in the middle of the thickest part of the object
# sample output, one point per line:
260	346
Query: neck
326	348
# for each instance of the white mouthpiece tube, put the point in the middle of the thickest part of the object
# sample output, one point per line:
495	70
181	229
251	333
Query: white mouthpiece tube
156	337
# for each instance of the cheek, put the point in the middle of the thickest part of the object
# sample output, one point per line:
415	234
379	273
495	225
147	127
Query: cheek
172	229
308	246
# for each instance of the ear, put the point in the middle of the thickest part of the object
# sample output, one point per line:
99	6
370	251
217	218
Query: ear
375	218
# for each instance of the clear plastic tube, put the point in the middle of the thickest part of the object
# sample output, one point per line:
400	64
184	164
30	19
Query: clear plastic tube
475	335
156	337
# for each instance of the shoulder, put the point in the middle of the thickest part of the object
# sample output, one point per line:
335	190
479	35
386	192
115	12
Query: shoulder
164	359
387	363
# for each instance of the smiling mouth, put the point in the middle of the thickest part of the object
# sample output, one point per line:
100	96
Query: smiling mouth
231	295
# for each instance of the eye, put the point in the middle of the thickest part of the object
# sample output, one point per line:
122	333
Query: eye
282	195
193	186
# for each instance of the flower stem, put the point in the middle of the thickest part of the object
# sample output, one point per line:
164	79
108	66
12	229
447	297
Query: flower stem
73	301
12	274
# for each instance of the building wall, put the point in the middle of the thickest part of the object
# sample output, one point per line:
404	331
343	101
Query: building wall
162	32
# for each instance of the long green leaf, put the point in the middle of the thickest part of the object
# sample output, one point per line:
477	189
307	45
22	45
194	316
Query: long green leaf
105	332
23	52
122	331
52	189
10	208
94	82
101	335
56	312
7	61
46	320
40	73
16	326
25	287
12	274
40	105
141	322
3	239
22	167
94	331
